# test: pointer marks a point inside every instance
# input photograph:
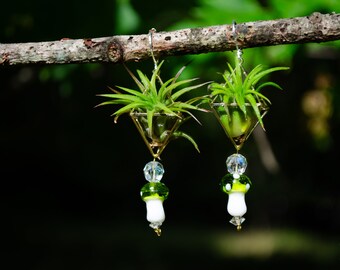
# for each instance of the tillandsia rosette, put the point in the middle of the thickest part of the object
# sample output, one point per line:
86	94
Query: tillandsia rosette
157	107
238	99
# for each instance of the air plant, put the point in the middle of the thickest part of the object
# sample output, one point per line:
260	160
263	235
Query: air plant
155	98
238	101
241	88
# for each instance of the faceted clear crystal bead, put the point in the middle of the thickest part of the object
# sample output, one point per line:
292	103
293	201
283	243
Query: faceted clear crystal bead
236	165
153	171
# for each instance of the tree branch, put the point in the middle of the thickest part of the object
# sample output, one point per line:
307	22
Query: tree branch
116	49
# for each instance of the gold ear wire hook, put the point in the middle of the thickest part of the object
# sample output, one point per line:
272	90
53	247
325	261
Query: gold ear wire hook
151	31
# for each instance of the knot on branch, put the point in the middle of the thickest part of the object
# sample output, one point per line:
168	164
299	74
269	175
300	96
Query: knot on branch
315	17
4	59
114	51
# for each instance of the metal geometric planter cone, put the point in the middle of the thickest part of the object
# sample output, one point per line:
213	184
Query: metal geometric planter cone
162	128
236	124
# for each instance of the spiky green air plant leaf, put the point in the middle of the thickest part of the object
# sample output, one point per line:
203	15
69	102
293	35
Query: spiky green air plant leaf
241	88
154	97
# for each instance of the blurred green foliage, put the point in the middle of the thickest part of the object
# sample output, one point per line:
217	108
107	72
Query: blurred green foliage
127	19
217	12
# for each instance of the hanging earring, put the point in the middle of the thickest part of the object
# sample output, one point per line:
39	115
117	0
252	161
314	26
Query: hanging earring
239	107
157	112
153	194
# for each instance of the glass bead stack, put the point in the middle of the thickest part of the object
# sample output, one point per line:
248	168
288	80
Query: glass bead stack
153	194
236	185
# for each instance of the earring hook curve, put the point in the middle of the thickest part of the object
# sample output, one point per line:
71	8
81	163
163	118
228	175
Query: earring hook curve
151	32
235	35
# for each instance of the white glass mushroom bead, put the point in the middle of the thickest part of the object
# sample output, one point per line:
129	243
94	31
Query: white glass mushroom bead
153	194
236	188
236	204
153	171
155	212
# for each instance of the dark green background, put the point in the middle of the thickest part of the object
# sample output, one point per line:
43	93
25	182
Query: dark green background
70	177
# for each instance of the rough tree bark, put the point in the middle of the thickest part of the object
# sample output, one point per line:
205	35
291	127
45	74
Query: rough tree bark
116	49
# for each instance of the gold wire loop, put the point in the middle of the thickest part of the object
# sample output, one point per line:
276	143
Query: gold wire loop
158	231
151	32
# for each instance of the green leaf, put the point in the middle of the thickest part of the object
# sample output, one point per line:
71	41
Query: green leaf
268	84
124	97
249	80
154	76
240	100
165	91
263	73
165	109
126	109
150	114
178	134
145	80
257	94
132	91
139	84
185	90
111	102
253	103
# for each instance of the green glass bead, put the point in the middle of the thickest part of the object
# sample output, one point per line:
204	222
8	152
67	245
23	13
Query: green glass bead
154	190
229	184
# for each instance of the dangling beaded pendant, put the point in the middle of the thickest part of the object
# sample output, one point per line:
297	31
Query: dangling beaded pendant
153	194
236	185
